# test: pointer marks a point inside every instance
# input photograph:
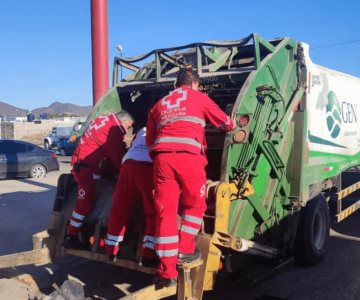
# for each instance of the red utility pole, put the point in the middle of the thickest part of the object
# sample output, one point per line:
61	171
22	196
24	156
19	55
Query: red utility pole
100	50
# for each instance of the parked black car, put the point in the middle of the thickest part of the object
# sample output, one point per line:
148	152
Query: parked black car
23	159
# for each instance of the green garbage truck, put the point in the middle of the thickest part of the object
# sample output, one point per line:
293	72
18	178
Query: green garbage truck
270	180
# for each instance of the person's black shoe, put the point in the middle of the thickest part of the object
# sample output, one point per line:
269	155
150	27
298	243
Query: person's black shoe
184	258
161	282
72	241
150	262
112	258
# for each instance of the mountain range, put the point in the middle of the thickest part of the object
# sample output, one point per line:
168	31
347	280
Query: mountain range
57	108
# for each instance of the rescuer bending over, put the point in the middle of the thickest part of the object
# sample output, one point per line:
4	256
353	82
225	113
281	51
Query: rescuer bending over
176	137
99	153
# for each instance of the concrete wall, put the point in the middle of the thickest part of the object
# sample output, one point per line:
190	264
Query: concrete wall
6	130
33	132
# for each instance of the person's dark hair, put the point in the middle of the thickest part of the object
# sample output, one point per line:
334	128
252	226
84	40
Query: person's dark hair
186	77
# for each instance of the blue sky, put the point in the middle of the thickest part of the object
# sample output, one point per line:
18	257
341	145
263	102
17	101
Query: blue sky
46	44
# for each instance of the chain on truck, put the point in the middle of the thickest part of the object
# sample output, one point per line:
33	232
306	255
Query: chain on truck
270	180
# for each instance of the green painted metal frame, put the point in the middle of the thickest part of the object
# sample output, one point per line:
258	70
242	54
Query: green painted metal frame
270	95
204	51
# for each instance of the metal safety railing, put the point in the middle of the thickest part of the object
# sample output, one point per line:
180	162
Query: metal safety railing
207	58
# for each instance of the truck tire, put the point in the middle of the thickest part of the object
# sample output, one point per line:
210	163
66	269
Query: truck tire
64	201
313	232
65	186
46	145
62	152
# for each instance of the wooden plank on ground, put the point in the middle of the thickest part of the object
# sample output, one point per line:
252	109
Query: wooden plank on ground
33	257
104	258
150	292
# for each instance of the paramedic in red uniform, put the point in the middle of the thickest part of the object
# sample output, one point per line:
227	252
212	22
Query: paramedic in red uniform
135	183
176	137
99	152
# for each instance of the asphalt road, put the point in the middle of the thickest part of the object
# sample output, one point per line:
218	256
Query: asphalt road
25	208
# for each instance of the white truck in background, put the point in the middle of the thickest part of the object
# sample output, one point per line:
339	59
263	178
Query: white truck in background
57	133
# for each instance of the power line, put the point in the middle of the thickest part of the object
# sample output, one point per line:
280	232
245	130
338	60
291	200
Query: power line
335	44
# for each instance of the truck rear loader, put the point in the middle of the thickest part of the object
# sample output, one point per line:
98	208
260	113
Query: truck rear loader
270	180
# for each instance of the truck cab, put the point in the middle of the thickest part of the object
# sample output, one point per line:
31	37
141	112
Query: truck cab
57	132
66	145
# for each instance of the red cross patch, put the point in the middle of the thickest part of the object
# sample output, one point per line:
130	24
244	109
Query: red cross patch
81	193
99	122
173	100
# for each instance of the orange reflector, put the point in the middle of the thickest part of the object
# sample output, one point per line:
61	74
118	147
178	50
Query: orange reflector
221	265
72	138
239	136
91	240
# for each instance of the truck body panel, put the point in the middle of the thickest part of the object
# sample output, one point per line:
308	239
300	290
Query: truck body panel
333	128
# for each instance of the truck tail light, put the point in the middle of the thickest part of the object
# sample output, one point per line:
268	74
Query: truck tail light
240	136
243	120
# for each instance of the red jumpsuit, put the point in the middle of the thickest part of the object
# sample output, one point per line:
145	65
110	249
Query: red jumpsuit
135	182
176	137
99	153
